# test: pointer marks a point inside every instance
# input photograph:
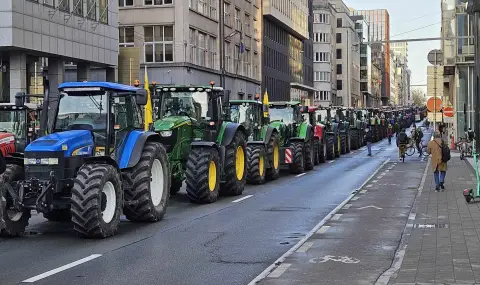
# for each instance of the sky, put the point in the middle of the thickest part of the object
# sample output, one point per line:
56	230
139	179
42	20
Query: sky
405	16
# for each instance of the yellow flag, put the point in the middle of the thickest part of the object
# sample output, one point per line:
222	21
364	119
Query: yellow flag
148	107
265	104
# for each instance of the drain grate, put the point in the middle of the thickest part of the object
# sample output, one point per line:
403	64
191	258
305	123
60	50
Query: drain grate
430	226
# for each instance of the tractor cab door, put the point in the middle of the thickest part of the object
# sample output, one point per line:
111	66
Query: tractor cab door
126	116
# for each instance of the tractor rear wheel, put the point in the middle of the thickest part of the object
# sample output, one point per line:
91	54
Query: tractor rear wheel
58	215
298	164
354	140
15	221
255	164
273	150
338	146
331	149
309	155
176	186
235	167
323	152
317	147
148	185
348	142
343	143
96	203
203	175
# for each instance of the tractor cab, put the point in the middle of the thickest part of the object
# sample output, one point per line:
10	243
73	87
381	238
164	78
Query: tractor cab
248	113
286	112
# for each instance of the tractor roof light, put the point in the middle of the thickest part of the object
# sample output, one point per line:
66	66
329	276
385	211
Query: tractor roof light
212	83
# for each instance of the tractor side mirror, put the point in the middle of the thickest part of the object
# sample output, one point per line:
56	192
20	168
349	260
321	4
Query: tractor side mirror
141	97
19	99
226	104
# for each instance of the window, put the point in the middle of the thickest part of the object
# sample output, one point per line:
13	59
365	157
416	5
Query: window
338	38
339	69
339	85
339	53
64	5
228	18
321	18
157	2
212	50
158	43
321	57
321	37
207	8
103	5
247	24
228	57
246	63
322	76
193	46
339	23
238	20
125	3
213	9
322	95
126	36
49	2
92	9
202	49
78	7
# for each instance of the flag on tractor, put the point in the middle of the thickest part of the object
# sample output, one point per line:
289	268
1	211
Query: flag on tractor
265	104
148	107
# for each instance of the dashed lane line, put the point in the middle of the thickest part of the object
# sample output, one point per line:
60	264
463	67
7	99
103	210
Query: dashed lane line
323	230
301	174
347	206
241	199
280	270
355	198
305	247
336	217
363	191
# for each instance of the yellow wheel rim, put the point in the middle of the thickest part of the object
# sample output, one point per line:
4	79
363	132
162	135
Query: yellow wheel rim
339	144
276	157
240	163
212	176
261	165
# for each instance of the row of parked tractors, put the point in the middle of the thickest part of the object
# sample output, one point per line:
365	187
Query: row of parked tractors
88	159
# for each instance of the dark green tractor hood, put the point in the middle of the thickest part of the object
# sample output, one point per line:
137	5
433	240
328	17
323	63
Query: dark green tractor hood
169	123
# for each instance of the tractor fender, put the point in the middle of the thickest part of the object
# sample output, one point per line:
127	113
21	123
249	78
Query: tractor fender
17	160
296	139
196	144
102	159
133	147
262	143
230	131
269	133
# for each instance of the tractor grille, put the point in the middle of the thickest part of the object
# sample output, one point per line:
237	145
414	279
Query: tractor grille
42	171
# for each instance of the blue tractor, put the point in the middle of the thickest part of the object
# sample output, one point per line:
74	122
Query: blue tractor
96	162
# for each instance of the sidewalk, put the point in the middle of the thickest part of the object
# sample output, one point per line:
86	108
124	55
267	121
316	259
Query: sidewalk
443	246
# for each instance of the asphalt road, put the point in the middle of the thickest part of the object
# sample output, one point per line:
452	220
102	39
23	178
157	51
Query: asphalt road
227	242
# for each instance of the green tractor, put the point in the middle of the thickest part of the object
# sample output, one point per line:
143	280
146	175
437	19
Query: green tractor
295	136
263	148
374	123
357	128
205	149
332	131
344	126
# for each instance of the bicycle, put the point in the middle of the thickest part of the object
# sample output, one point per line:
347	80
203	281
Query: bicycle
465	148
412	148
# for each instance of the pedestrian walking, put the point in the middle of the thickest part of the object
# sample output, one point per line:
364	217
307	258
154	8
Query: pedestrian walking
369	139
390	133
439	164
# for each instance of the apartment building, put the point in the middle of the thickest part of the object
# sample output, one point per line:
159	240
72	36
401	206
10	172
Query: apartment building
324	56
288	50
347	54
179	41
37	37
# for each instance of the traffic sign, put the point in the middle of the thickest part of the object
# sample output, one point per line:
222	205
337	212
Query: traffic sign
448	111
434	103
435	57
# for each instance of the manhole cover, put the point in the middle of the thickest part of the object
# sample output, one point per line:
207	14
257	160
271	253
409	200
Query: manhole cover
430	226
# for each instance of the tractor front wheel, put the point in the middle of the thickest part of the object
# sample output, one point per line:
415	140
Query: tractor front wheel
298	164
331	149
255	164
235	167
96	203
338	146
349	143
354	140
273	150
309	155
15	221
317	147
148	185
343	143
203	175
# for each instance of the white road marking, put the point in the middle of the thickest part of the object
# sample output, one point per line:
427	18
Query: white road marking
241	199
301	174
336	217
323	230
306	246
331	161
369	186
61	268
347	206
371	206
355	198
280	270
363	191
374	181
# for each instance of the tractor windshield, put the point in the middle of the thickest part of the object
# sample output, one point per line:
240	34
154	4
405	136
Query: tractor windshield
191	104
323	114
13	121
283	114
243	114
85	112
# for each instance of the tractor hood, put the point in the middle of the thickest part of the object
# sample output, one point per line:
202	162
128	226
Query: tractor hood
169	123
277	124
67	141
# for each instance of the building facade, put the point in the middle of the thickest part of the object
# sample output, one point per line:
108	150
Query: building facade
288	50
37	37
379	22
347	54
324	55
179	42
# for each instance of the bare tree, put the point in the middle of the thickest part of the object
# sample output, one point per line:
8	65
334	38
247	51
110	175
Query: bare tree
418	97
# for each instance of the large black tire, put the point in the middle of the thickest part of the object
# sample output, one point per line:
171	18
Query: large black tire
354	140
255	164
317	150
199	164
176	186
15	223
331	147
343	143
58	215
298	164
273	151
349	142
323	152
147	204
338	146
234	178
309	155
92	215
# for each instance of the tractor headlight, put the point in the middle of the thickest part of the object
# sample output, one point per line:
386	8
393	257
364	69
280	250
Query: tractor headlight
166	133
52	160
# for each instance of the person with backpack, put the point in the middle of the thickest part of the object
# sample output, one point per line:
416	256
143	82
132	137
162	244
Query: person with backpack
440	153
369	140
417	136
402	141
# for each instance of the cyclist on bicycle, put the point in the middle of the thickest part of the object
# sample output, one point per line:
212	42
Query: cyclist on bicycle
427	123
417	136
402	141
470	135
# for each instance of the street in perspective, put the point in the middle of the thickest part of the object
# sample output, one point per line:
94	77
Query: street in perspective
247	142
